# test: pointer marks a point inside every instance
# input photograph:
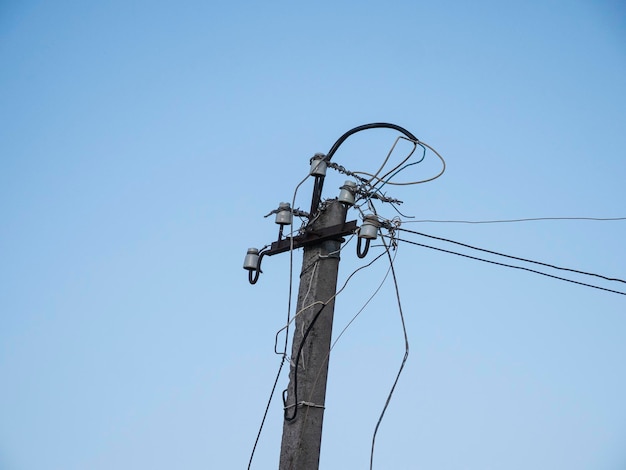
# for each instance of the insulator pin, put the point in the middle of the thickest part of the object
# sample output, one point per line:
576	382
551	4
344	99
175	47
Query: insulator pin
284	216
251	261
346	195
318	165
369	228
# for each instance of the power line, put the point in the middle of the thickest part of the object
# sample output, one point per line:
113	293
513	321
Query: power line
513	257
532	219
512	266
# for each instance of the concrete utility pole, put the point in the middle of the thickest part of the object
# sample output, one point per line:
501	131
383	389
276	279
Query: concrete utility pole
302	435
321	239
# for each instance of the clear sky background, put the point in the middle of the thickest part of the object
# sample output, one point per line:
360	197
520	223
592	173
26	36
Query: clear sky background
141	144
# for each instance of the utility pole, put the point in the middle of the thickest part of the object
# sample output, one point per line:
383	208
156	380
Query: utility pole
302	435
321	239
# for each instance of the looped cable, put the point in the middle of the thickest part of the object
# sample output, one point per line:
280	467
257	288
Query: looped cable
359	253
253	274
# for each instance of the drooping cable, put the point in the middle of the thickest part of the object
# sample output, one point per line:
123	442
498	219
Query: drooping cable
514	257
404	359
512	266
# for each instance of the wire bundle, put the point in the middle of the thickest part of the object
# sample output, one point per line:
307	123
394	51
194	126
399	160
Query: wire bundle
368	194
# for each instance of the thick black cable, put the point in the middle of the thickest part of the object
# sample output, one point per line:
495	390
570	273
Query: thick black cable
319	180
374	125
514	257
512	266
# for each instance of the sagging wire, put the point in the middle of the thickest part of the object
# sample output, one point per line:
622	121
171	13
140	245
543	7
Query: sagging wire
514	257
532	219
406	344
512	266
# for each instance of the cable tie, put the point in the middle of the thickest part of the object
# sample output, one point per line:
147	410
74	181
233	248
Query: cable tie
296	212
374	195
299	213
305	403
343	170
318	156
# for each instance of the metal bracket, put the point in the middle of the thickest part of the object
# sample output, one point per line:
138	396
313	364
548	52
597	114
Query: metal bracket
312	236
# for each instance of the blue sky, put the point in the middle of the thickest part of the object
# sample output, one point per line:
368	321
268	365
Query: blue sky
143	142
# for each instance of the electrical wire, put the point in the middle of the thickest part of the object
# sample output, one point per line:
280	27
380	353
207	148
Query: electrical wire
306	334
375	125
387	178
404	359
533	219
514	257
408	183
318	302
306	413
319	180
359	311
345	328
284	353
372	191
291	249
512	266
375	175
295	374
314	213
350	323
267	407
